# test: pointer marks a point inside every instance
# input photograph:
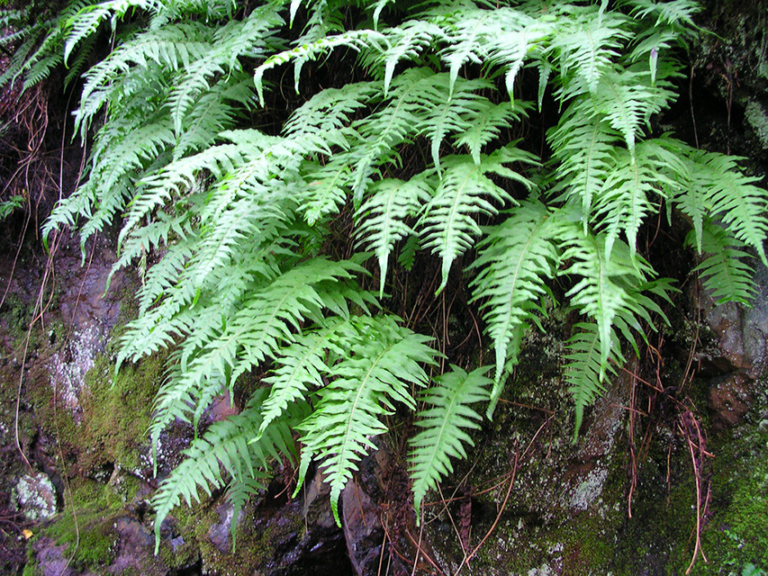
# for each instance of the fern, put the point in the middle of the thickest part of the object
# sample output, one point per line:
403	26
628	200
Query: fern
587	366
258	220
518	259
448	225
733	197
610	288
228	448
382	362
724	272
444	423
384	217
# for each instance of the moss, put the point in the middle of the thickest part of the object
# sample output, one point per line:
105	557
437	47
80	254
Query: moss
15	315
31	567
117	410
97	507
736	534
111	432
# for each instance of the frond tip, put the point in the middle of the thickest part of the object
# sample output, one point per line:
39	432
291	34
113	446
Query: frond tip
444	423
383	361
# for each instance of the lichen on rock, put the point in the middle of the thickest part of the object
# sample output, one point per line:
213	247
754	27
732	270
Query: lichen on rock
35	497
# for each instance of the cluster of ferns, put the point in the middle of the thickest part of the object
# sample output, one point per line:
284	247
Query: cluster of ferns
236	217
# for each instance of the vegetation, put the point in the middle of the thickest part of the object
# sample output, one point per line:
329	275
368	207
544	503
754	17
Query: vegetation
253	215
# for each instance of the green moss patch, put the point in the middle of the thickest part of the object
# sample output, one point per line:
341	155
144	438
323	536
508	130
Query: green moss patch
87	526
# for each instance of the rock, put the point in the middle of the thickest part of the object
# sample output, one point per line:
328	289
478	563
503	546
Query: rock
222	408
755	327
50	559
69	366
219	533
35	497
730	400
362	529
135	550
726	323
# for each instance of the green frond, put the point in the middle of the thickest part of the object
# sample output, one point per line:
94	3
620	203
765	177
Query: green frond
485	125
239	493
516	260
85	20
449	109
607	288
218	351
173	46
404	43
300	367
396	123
448	225
354	39
443	421
584	148
382	363
382	218
249	37
723	272
732	197
326	189
587	45
324	118
625	199
227	449
214	112
627	100
679	14
587	366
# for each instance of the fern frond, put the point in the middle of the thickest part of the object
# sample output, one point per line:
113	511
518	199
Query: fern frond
724	273
382	218
301	367
226	447
584	148
516	260
326	189
587	366
678	14
443	422
173	47
625	198
238	494
627	100
450	109
382	364
87	20
247	147
406	42
607	290
214	112
323	119
486	124
224	351
230	42
448	225
732	197
466	40
587	46
354	39
382	132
